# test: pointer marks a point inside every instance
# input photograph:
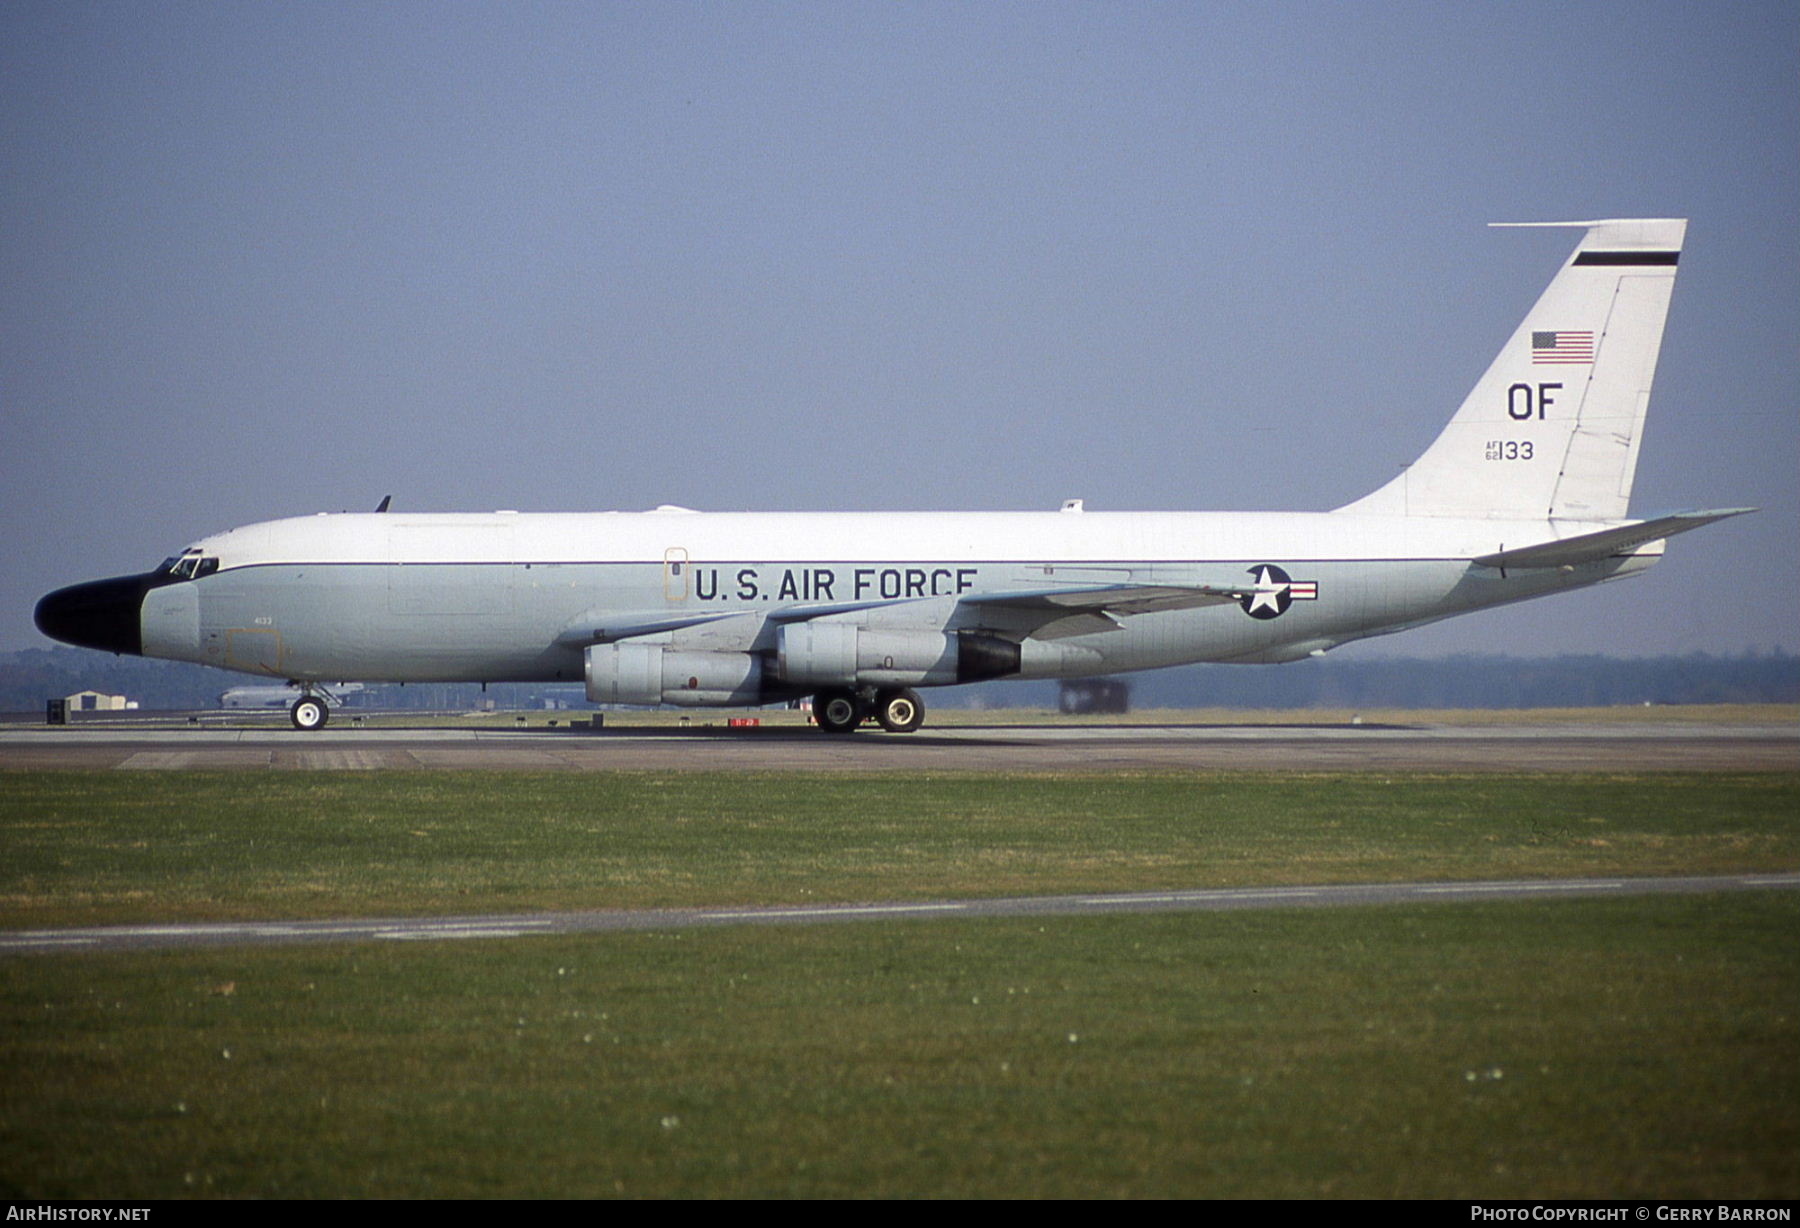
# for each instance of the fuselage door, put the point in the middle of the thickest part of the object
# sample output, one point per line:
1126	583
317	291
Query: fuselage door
675	574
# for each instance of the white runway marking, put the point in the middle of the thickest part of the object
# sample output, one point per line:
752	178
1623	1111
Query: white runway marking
427	935
425	929
824	911
1518	888
1200	897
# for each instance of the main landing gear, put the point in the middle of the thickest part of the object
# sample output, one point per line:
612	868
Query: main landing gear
841	710
309	712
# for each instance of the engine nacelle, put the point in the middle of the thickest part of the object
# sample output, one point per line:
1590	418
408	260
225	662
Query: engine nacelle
654	674
844	654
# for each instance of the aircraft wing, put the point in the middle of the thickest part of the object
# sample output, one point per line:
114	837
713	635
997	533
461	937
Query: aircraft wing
602	626
1057	613
606	626
1044	613
1589	547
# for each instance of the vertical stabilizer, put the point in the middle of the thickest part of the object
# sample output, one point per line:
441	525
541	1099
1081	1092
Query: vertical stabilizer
1552	429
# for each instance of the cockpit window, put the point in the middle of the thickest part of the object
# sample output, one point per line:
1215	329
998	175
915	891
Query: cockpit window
190	565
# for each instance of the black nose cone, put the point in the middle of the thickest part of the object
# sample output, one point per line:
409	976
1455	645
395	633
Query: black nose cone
101	614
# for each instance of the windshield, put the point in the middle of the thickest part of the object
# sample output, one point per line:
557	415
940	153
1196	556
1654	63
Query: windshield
189	565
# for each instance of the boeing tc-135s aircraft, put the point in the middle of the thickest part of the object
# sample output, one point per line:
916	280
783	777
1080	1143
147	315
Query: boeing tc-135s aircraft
1523	494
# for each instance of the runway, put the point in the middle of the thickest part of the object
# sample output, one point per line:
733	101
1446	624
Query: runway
443	929
1035	748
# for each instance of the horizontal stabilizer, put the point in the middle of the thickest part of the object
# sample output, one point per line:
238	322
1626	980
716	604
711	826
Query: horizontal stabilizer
1586	548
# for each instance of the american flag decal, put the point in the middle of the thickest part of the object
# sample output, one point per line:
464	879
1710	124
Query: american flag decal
1561	347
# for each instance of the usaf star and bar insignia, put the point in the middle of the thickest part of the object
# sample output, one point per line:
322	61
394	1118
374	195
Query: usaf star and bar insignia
1275	592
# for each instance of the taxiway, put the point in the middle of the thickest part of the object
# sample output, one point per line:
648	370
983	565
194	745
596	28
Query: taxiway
1542	747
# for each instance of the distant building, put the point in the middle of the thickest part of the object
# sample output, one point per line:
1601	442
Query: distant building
94	701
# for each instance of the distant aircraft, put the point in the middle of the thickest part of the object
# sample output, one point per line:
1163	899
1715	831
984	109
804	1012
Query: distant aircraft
1523	494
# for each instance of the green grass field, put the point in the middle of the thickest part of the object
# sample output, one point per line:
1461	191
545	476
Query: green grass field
1572	1048
124	847
1566	1049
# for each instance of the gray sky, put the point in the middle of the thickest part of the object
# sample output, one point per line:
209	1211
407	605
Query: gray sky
270	259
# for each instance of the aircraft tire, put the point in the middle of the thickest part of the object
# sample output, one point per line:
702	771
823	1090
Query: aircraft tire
837	710
900	711
309	712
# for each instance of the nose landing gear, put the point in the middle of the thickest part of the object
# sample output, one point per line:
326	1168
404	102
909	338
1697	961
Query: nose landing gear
309	712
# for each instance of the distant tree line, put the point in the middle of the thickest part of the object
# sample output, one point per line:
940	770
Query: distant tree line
1477	682
1443	682
33	675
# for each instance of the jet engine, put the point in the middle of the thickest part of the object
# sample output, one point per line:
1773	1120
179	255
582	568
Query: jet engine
815	653
654	674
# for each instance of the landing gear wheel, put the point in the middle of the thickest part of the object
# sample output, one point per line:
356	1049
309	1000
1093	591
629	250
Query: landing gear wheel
309	712
837	710
899	711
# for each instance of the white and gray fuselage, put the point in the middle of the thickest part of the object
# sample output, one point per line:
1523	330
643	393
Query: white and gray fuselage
520	597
